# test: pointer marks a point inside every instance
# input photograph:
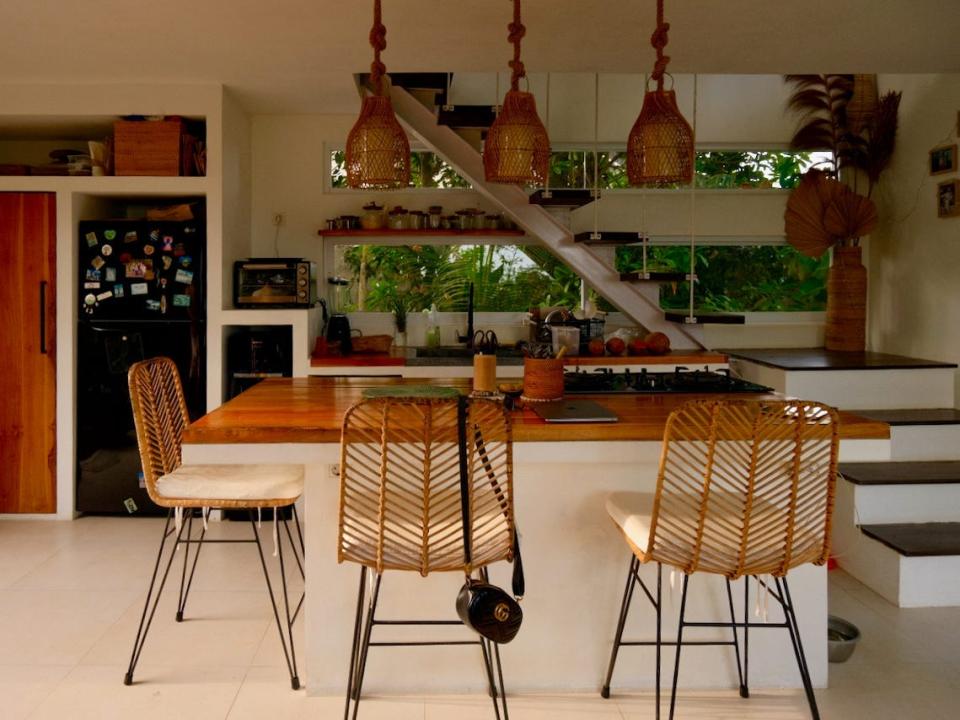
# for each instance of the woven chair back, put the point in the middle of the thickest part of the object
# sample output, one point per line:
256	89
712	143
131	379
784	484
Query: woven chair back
160	416
745	487
400	485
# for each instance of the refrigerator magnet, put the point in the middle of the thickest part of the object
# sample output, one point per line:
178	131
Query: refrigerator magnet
167	262
181	301
136	269
153	305
118	290
91	239
168	243
107	250
179	250
98	262
154	235
139	289
186	261
109	234
130	236
106	295
110	274
184	276
93	275
125	258
148	249
89	299
163	304
91	286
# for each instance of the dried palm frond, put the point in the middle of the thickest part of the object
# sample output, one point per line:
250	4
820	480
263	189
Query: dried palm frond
821	101
872	150
850	216
804	217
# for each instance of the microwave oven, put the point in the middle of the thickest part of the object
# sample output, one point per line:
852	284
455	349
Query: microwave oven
274	282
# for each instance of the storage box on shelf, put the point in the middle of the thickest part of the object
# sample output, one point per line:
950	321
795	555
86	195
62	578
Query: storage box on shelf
148	147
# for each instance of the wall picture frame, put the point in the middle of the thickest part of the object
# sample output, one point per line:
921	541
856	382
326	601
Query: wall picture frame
947	195
943	159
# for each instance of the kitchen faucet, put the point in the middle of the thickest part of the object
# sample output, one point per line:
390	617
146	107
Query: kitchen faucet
468	338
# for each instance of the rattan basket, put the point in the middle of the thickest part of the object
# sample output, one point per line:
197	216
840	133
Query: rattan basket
542	380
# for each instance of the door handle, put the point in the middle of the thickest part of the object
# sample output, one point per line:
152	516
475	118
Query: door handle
43	317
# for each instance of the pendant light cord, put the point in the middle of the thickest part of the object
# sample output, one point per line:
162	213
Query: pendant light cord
517	31
378	41
659	41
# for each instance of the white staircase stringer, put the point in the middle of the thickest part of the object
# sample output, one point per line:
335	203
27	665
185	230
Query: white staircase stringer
639	303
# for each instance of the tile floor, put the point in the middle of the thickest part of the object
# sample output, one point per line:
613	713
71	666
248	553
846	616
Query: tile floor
71	593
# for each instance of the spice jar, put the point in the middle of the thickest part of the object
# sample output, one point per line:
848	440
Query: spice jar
417	220
350	222
372	218
398	219
491	222
436	213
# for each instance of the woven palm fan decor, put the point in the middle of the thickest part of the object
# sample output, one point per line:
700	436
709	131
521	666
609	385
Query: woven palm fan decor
517	148
378	152
660	147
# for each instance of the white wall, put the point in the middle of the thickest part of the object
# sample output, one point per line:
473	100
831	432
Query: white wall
914	258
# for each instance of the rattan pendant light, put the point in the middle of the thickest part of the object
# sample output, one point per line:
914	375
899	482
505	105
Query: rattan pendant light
517	148
378	152
660	146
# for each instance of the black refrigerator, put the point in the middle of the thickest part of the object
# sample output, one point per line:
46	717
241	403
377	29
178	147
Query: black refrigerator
141	287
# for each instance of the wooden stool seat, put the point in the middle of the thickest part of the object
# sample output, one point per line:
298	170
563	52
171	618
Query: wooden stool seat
230	486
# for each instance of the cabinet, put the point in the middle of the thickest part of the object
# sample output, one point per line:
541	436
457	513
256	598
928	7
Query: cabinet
27	353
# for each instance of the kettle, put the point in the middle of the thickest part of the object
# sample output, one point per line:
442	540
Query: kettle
338	330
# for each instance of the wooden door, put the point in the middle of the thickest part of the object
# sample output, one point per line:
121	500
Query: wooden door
27	357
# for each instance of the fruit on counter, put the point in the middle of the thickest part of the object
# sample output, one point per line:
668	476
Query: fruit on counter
616	346
596	347
637	347
658	343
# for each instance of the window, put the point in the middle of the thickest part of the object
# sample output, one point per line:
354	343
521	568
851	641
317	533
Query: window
506	278
427	170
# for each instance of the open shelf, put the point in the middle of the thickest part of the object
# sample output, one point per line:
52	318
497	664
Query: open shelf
386	232
106	185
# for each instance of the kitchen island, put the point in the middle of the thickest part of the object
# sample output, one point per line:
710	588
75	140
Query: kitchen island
574	557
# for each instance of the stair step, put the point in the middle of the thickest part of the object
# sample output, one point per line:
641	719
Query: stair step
902	473
654	276
918	539
467	116
563	197
919	416
609	237
706	318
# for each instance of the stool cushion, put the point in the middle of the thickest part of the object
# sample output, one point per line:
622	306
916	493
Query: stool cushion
632	512
233	482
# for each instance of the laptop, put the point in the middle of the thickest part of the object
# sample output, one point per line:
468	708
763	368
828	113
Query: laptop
573	411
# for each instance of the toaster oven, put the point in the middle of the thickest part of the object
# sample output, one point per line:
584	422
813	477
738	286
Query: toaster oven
274	282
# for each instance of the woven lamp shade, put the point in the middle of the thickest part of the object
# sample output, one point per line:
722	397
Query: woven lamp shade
517	148
660	146
377	152
862	105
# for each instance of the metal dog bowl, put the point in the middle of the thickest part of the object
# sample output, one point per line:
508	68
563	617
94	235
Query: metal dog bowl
842	639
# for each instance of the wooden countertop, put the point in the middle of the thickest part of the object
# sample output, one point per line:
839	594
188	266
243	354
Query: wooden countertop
310	410
395	357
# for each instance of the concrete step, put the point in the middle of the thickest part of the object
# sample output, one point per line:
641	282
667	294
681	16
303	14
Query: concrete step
900	492
918	539
921	433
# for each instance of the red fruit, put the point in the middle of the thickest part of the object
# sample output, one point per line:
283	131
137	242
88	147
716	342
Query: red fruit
616	346
658	343
637	347
595	347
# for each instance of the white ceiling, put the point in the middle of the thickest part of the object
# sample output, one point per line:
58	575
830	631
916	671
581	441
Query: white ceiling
292	56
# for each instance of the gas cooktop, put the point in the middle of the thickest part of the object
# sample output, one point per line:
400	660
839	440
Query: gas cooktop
681	380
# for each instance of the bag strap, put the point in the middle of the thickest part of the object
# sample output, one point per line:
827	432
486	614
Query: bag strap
464	482
517	581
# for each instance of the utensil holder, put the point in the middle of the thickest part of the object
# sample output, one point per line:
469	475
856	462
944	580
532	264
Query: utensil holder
542	380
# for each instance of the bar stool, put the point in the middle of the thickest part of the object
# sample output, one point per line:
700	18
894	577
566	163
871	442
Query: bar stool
400	506
745	488
160	416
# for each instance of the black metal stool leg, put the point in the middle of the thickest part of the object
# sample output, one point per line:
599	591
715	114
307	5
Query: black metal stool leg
286	603
676	662
659	636
365	645
794	629
355	649
185	593
736	643
745	689
621	622
291	666
484	575
145	619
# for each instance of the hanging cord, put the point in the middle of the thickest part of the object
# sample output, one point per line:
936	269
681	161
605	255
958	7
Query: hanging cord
516	33
693	205
546	185
659	41
378	41
644	236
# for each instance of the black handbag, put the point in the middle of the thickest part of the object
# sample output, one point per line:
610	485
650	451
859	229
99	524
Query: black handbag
485	608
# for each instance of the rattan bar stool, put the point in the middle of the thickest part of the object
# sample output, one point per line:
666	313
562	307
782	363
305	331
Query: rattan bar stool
160	415
745	488
400	508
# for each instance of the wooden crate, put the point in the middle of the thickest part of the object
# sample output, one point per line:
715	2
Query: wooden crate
147	147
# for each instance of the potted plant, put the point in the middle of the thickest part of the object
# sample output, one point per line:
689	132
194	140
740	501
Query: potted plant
840	113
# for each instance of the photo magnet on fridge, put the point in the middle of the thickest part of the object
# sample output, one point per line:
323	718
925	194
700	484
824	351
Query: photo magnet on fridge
130	236
181	301
184	276
136	269
110	274
91	239
118	291
98	262
139	289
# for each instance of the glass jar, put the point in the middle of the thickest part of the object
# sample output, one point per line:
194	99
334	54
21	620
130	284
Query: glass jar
399	219
465	219
491	222
372	218
350	222
418	220
436	214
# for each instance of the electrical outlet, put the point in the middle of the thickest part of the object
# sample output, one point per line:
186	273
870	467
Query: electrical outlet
335	471
278	219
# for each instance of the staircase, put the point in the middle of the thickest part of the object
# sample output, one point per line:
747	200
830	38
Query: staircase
456	134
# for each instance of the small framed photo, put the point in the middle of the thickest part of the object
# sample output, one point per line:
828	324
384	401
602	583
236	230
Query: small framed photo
943	159
947	194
